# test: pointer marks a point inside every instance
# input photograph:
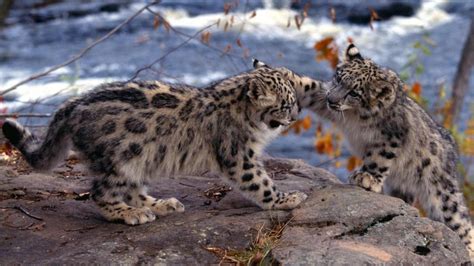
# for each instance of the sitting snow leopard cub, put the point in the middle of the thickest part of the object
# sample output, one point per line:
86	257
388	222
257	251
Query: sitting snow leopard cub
134	132
402	147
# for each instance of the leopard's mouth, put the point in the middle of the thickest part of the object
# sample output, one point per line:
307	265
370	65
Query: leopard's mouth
275	124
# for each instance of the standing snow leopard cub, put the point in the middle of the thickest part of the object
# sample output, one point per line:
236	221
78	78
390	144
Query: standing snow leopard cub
403	149
134	132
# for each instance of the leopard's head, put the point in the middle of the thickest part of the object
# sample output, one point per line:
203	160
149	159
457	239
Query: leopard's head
362	87
272	96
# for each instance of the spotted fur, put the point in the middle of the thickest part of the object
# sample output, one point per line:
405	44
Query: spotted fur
131	133
404	151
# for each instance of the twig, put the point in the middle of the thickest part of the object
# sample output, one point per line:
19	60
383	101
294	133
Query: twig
27	213
191	36
186	185
81	53
169	52
82	228
24	115
327	161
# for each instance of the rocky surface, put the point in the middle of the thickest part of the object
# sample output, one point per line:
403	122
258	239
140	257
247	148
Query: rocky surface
48	218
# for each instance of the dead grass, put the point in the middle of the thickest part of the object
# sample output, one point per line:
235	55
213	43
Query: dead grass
259	252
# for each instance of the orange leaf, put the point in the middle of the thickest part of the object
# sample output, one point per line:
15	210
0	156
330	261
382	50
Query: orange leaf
323	44
239	43
254	13
353	162
156	22
6	149
227	48
416	89
319	130
326	49
324	144
205	37
373	17
306	122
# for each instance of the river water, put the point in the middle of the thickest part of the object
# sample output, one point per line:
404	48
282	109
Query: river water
26	48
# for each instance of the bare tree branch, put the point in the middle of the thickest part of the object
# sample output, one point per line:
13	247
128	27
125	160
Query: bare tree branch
150	66
16	115
461	80
193	36
81	53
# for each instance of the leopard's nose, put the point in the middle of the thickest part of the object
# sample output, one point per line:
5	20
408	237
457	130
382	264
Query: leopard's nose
331	101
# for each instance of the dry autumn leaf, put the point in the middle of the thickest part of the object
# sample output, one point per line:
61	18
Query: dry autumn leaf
332	14
254	13
326	49
324	144
227	48
205	37
353	162
238	42
416	89
156	22
373	17
299	125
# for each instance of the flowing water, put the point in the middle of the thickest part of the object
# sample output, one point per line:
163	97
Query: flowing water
26	48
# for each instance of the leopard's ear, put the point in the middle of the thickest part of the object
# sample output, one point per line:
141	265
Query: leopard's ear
258	64
260	94
352	53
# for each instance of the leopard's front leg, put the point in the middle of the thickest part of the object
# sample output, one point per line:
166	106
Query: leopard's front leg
249	175
376	168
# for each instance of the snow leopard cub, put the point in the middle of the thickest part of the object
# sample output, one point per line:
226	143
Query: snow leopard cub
403	149
133	132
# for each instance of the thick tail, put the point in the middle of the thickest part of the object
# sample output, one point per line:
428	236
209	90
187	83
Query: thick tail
42	155
451	209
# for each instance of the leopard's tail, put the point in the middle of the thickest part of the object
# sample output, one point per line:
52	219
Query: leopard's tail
41	155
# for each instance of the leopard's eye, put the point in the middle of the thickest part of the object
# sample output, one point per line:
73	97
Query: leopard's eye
352	93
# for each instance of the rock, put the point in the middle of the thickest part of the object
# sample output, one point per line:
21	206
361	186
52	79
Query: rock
342	225
338	224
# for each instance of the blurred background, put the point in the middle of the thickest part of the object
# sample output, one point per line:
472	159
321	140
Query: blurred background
200	41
